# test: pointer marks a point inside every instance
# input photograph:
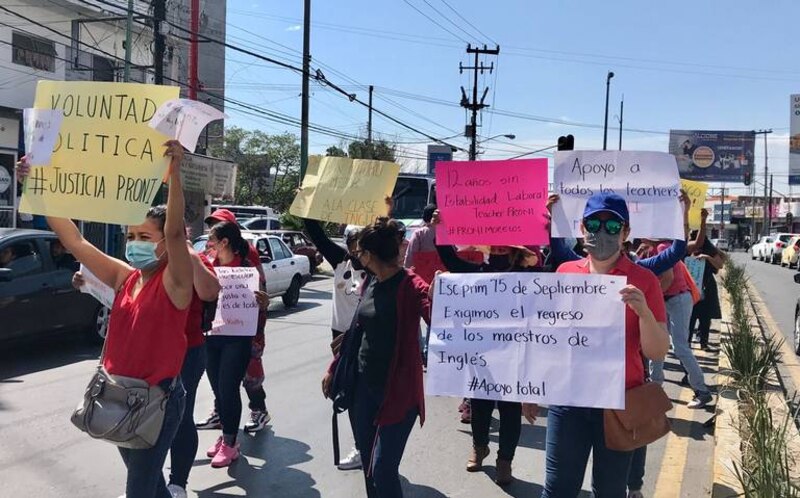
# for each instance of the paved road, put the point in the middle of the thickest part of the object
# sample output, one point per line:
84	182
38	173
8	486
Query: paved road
43	456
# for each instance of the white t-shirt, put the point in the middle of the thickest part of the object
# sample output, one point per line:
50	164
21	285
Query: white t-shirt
347	284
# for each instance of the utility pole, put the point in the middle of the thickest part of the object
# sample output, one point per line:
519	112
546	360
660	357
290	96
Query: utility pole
159	15
475	106
605	124
194	27
769	214
369	119
621	107
305	92
722	219
767	210
126	75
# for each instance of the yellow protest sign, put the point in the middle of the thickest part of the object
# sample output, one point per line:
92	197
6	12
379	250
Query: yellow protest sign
697	194
344	190
107	163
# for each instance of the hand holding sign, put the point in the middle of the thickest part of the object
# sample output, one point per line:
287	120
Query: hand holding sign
184	120
41	133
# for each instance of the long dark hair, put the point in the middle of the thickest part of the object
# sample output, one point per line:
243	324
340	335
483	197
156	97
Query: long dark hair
382	239
230	231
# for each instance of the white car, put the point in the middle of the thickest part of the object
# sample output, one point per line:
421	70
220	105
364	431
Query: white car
721	244
286	272
775	250
760	249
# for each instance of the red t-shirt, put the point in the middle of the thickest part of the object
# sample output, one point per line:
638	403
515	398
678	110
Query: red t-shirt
679	284
146	336
646	282
194	322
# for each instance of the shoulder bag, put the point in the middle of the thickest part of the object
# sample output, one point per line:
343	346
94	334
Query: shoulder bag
643	420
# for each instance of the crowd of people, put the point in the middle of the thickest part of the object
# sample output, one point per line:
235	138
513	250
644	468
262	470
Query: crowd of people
165	295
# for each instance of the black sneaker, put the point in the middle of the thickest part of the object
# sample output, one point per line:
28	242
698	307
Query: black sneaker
212	422
258	420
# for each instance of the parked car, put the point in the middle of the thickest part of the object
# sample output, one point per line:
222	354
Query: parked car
721	244
300	244
760	249
789	256
797	319
36	293
261	223
781	240
286	272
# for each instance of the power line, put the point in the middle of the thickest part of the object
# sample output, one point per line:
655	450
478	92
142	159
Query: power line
469	23
434	21
449	20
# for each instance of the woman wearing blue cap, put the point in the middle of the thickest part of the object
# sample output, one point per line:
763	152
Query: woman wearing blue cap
573	432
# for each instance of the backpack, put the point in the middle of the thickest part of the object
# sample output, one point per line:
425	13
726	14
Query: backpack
343	385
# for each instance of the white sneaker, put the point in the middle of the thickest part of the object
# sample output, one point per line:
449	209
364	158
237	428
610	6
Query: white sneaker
176	491
351	462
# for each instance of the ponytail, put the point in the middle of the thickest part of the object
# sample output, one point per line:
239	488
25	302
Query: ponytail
231	231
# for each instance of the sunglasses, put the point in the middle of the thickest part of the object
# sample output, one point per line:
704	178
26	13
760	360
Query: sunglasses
612	226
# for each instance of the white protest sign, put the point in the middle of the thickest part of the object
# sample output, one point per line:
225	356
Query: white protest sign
648	181
237	309
97	289
550	338
184	119
41	133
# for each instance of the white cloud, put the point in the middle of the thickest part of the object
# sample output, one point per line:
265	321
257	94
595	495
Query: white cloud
296	27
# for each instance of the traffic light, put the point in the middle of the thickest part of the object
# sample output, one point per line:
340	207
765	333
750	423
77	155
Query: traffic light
566	143
748	174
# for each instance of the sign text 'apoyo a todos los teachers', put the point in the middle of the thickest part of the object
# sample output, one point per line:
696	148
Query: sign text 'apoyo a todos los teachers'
492	202
647	180
107	163
529	337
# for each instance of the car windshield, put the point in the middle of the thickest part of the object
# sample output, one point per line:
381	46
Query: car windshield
410	198
785	238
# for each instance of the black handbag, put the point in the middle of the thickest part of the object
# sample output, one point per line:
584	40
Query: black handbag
343	385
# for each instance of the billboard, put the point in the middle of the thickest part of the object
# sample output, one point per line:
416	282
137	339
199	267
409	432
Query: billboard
794	140
712	156
438	153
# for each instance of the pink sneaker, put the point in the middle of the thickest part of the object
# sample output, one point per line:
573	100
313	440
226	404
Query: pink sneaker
214	449
225	456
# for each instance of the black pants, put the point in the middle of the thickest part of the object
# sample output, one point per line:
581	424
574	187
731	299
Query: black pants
184	446
226	363
704	329
510	425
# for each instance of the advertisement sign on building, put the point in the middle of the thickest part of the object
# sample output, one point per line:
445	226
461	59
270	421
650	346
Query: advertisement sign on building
438	153
794	140
716	156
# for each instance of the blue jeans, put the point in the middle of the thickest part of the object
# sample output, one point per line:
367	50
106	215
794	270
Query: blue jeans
679	313
184	446
571	434
382	446
145	474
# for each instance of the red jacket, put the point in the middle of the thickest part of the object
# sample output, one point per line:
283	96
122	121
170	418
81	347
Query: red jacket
404	388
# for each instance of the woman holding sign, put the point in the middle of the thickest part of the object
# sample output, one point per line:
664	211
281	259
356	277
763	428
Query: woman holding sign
572	432
146	335
388	394
229	355
501	259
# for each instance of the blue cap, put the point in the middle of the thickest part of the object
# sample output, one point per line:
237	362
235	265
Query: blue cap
608	202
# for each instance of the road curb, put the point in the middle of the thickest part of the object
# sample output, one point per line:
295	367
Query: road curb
727	442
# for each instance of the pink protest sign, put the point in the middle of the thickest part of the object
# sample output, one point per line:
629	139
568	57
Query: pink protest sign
492	202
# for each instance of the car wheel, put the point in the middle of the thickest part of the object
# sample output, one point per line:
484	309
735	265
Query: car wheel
292	295
752	255
797	332
99	327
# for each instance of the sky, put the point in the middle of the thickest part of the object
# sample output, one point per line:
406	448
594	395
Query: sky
709	65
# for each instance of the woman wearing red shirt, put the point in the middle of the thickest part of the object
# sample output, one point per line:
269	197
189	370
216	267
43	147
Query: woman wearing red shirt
572	432
146	335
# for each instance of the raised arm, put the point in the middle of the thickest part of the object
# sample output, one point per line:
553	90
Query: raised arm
449	256
331	251
559	251
697	244
110	271
666	259
178	279
205	279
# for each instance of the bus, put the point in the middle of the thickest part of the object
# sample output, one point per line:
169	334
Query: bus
412	193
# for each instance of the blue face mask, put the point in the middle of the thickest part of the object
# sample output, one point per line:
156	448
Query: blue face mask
141	254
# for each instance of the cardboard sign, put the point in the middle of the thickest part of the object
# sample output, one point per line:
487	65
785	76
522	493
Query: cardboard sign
97	289
184	120
347	191
107	163
41	128
237	309
697	268
529	337
493	202
648	181
697	194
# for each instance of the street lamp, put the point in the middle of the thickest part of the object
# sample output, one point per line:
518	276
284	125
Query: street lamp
509	136
605	125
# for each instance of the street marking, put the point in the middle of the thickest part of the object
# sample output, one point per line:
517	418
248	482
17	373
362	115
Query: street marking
790	360
676	451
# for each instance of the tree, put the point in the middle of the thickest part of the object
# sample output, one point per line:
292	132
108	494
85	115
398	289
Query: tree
334	151
380	150
268	166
